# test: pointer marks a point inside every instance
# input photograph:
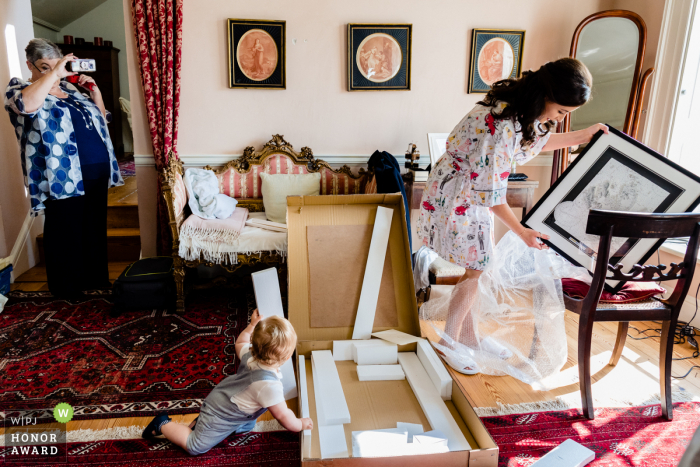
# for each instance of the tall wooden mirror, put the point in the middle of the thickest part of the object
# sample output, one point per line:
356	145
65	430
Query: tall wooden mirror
611	44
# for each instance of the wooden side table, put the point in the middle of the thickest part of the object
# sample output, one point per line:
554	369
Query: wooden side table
519	194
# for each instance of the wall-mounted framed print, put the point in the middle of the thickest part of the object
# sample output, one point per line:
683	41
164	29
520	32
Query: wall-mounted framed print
256	53
496	54
379	57
437	144
617	173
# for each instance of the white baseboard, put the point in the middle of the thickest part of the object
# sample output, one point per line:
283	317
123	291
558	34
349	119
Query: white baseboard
25	254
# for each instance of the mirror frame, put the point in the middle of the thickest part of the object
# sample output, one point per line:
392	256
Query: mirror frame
561	156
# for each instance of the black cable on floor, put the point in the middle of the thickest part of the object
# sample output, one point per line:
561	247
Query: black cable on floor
683	333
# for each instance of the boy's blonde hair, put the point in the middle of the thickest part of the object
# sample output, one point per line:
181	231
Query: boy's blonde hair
273	341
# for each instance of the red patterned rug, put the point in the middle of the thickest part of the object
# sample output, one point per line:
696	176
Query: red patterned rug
636	436
73	351
127	168
277	448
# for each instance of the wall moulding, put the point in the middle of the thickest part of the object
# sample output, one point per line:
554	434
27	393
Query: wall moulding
217	160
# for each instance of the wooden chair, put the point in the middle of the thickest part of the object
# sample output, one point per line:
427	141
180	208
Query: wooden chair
608	224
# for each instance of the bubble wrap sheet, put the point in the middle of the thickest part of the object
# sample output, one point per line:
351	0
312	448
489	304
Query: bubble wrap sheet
509	321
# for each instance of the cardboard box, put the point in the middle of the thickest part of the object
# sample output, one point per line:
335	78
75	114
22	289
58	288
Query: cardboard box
372	404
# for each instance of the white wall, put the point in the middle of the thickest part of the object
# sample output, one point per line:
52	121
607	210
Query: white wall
14	200
106	21
45	33
316	110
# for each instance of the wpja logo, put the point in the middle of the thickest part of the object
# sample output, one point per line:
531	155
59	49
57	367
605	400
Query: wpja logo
32	438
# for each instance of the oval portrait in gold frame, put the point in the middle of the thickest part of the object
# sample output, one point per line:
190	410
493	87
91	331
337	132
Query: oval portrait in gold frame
379	57
496	60
256	54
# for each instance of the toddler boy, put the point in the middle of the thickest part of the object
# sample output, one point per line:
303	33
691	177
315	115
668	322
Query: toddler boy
235	403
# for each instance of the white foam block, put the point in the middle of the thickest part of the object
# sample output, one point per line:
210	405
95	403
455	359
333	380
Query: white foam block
431	402
332	441
431	437
304	406
366	342
396	337
329	390
435	369
379	372
567	454
269	301
331	438
377	355
364	321
378	443
342	350
412	429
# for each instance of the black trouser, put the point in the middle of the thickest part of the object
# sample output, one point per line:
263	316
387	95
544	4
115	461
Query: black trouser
75	240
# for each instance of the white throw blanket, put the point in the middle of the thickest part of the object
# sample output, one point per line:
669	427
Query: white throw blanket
205	199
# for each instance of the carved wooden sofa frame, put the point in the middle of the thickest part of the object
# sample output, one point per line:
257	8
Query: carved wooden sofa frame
240	179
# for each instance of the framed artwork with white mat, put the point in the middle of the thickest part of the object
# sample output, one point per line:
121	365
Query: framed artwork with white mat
437	144
617	173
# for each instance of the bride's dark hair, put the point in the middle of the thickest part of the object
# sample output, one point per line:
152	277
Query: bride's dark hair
566	82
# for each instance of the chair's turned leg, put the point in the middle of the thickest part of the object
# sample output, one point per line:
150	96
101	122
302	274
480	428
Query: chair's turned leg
665	362
585	334
619	342
179	273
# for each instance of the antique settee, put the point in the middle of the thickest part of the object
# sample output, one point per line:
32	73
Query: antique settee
240	179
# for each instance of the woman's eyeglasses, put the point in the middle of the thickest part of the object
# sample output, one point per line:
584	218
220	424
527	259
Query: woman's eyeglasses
43	72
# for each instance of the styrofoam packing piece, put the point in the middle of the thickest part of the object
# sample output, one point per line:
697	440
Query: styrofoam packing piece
379	372
360	343
335	407
304	406
435	369
377	355
412	429
369	295
431	402
333	442
342	350
567	454
378	443
388	443
431	437
331	438
269	301
396	337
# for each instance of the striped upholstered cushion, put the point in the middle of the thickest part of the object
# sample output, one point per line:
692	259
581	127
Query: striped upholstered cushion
248	185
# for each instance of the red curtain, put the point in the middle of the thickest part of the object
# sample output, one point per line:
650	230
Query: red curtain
158	31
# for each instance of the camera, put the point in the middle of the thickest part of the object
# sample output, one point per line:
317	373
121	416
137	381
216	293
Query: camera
82	65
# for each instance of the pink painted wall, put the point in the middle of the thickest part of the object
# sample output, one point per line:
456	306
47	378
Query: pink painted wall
316	110
13	196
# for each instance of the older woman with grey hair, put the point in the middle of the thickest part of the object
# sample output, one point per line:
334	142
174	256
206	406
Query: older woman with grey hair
68	163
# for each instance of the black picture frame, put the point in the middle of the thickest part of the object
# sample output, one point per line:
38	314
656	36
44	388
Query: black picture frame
256	69
480	37
393	39
624	154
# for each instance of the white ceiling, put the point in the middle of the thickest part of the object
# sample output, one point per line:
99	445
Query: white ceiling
62	12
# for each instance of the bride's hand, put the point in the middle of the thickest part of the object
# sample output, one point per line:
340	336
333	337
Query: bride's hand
593	129
531	239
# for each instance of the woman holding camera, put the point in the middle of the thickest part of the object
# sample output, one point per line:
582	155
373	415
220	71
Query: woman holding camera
68	163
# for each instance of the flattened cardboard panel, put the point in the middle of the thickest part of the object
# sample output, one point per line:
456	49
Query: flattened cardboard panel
304	211
337	259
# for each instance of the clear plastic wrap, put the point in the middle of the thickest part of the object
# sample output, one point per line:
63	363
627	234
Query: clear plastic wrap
509	321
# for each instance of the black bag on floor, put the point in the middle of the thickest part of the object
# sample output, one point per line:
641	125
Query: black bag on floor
146	284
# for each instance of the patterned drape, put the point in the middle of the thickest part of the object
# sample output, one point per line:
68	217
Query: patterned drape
158	31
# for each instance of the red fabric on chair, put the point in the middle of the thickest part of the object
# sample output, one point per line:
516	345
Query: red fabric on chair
158	33
630	292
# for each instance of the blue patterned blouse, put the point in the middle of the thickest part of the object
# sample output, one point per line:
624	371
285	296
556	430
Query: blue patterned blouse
48	146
